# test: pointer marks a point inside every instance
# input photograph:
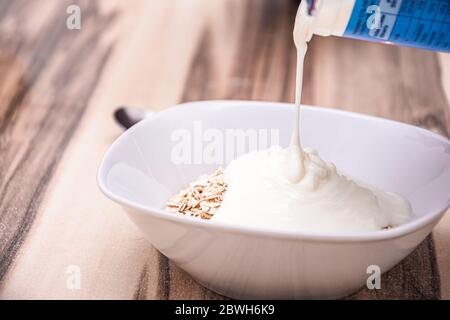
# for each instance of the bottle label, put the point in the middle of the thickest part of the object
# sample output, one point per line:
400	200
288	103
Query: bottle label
416	23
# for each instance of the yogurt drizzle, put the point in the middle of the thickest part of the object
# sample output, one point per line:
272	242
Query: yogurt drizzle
293	188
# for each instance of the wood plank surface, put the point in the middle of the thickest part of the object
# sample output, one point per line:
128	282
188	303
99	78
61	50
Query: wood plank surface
59	87
49	87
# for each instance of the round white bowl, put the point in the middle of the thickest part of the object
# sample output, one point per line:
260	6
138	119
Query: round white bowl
139	173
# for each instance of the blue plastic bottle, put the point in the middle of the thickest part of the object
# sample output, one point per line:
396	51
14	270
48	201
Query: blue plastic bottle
416	23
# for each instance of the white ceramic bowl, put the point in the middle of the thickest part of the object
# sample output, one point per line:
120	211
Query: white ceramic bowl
139	173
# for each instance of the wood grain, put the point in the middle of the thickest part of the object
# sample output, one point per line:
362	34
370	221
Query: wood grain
36	127
58	89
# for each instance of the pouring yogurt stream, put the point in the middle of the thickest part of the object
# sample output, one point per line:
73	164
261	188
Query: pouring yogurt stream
293	188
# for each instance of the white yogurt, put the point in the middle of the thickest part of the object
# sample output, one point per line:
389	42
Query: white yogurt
261	193
294	189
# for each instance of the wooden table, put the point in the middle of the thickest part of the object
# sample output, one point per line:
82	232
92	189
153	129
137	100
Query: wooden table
59	87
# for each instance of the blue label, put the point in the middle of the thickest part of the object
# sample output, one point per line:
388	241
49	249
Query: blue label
416	23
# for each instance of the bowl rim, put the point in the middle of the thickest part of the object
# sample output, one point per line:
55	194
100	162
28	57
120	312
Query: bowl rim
430	218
